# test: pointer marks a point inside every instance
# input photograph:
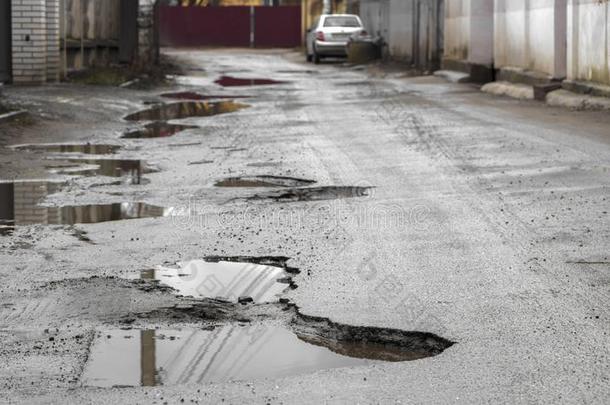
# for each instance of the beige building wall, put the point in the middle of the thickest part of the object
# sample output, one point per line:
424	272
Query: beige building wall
588	40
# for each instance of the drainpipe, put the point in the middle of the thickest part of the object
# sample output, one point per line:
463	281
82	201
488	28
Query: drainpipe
326	9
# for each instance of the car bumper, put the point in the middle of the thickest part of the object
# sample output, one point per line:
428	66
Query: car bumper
331	48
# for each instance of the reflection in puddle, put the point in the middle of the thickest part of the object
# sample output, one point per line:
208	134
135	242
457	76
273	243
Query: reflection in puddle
130	170
19	206
191	95
263	181
87	148
225	353
185	109
158	129
230	81
225	280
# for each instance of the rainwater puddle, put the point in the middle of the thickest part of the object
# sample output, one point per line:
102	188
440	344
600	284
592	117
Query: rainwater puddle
263	181
231	81
312	194
185	109
129	170
191	356
19	205
159	129
230	281
87	148
191	95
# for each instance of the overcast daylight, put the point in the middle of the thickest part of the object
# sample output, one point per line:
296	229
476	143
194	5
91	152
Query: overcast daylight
304	202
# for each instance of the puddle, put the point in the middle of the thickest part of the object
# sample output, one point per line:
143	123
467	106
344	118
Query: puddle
312	194
158	129
227	280
234	352
87	148
191	95
129	170
263	181
191	356
19	205
231	81
185	109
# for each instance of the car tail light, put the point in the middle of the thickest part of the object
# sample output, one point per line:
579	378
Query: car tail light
320	36
364	33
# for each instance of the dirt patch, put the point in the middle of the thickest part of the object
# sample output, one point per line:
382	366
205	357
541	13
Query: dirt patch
185	109
263	181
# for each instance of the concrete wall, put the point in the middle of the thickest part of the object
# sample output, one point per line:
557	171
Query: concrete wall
588	33
412	29
401	29
34	32
531	35
469	31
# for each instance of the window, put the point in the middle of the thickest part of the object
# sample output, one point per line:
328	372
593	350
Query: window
341	22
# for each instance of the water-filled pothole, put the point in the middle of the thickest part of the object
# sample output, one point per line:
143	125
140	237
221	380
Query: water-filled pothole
231	81
158	129
312	194
86	148
19	205
129	170
263	181
234	352
185	109
194	356
226	280
191	95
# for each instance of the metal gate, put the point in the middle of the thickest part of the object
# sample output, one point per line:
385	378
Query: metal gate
128	35
242	26
5	41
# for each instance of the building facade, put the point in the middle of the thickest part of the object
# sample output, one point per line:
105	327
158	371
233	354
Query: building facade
412	30
529	41
41	40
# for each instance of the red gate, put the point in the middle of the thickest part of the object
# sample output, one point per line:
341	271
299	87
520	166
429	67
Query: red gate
240	26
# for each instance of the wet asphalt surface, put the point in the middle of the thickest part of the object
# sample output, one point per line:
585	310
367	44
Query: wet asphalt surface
435	209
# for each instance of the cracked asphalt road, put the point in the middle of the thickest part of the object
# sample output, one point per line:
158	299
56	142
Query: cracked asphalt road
486	223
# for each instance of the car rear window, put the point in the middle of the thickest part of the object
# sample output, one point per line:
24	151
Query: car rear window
341	22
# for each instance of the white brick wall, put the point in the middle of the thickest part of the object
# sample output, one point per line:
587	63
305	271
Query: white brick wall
35	32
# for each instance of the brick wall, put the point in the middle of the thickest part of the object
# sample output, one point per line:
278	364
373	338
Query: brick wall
35	33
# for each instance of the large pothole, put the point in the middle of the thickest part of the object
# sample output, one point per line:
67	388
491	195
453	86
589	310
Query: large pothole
19	205
185	109
311	194
158	129
231	81
85	148
263	181
231	281
190	95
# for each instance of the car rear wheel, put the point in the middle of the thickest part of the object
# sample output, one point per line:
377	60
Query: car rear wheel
316	57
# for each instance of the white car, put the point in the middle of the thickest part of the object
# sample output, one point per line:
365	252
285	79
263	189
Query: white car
329	34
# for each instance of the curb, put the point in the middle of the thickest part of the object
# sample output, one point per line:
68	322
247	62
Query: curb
519	91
